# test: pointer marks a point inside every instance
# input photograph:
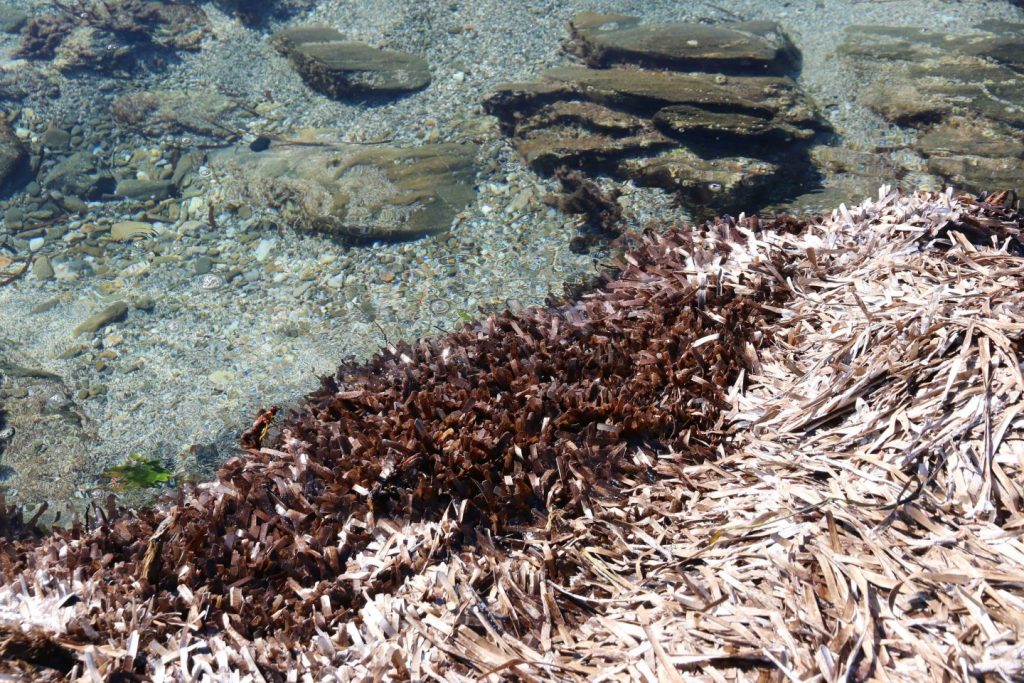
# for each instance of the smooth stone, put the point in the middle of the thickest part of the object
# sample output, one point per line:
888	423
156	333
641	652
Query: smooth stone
263	249
41	268
77	175
14	217
203	265
36	243
143	189
145	303
55	138
115	312
74	205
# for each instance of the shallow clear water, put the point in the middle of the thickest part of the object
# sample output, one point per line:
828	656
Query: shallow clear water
200	215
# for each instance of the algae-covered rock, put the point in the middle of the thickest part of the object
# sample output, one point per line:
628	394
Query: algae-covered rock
755	46
355	192
105	35
725	181
716	139
963	91
338	68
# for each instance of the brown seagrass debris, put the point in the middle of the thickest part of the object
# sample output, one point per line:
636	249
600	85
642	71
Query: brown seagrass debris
819	478
489	430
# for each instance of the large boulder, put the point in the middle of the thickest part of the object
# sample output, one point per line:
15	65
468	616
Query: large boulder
339	68
719	140
353	192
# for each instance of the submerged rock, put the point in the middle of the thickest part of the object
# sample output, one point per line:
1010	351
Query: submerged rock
106	35
753	46
206	113
79	175
716	139
12	151
963	91
355	192
338	68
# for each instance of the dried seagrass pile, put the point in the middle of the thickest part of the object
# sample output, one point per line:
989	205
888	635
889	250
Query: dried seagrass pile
763	451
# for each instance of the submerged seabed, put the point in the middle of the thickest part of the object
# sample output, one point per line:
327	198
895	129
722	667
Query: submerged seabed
225	313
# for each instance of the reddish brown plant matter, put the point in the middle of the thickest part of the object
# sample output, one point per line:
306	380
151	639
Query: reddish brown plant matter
497	425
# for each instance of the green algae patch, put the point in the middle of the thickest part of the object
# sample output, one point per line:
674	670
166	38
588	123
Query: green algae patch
137	473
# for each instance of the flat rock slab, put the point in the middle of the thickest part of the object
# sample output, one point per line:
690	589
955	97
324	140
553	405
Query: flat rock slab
964	93
719	140
756	47
339	68
359	193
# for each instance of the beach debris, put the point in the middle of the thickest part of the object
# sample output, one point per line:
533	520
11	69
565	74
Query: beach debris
340	68
353	192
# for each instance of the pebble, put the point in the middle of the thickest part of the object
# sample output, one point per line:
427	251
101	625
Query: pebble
74	205
36	243
145	303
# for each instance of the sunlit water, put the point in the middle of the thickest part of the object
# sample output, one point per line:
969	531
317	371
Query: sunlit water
163	278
